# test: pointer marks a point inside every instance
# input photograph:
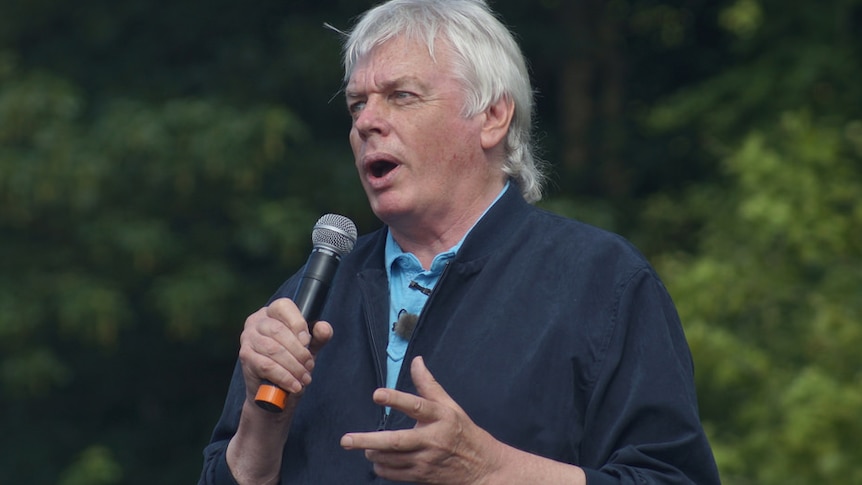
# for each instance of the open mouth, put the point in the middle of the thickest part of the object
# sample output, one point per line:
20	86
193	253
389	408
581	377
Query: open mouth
380	168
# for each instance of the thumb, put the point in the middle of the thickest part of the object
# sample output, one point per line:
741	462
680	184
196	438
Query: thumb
321	335
427	386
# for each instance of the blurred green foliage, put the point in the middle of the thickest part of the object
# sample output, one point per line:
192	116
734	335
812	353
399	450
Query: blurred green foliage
772	306
161	164
770	288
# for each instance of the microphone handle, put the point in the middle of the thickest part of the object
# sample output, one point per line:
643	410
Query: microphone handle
310	297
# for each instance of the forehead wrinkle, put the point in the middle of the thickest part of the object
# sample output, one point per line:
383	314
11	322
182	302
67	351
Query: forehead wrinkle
383	54
399	82
378	80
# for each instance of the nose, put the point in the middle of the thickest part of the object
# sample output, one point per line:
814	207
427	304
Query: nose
372	118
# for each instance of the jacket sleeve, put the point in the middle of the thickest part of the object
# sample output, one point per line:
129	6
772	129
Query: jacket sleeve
642	424
215	470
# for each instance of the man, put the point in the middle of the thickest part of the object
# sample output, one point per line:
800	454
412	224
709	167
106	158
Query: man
544	350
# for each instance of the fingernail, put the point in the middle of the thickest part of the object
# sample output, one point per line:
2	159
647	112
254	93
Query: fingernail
304	337
295	387
347	442
306	379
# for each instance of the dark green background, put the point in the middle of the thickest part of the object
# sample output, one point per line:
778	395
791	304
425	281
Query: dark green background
162	163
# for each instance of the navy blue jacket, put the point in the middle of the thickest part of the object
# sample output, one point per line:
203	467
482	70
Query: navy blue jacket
554	336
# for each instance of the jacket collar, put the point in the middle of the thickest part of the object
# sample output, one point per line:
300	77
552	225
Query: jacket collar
492	231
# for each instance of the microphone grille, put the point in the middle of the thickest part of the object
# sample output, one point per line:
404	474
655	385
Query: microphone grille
336	232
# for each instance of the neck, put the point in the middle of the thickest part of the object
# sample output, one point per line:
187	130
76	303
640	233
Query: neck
432	233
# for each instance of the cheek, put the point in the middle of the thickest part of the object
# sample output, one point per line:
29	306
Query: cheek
353	138
459	143
356	148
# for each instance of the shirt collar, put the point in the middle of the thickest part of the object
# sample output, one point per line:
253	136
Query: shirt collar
393	251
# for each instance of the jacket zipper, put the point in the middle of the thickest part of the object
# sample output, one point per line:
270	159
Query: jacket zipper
384	416
422	314
381	378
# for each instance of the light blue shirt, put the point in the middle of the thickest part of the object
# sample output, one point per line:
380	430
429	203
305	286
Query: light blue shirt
401	269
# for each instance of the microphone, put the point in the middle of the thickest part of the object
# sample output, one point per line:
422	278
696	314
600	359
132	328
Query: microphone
333	237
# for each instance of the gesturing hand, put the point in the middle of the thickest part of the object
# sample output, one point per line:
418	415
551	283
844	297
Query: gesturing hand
445	446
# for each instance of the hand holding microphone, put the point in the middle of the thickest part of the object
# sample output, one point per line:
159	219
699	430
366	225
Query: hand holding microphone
333	237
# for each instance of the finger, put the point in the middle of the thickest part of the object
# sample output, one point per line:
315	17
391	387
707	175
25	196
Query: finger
392	459
260	361
417	407
322	335
270	349
399	441
425	407
278	340
286	311
293	334
427	386
394	466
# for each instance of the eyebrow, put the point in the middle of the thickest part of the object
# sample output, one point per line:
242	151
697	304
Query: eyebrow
390	85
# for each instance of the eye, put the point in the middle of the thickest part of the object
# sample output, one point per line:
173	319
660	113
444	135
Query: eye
403	96
355	107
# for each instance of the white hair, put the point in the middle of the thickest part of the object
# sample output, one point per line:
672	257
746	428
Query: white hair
488	62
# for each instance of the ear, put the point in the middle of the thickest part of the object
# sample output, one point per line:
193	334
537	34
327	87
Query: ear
498	117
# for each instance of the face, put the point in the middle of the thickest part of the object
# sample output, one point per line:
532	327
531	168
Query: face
419	159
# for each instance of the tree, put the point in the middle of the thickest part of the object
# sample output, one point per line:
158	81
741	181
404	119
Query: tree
154	189
128	237
160	168
771	305
768	282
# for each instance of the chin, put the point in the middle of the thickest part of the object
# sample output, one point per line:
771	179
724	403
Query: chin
390	206
389	213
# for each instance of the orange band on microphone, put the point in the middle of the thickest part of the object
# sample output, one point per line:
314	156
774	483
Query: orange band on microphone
271	397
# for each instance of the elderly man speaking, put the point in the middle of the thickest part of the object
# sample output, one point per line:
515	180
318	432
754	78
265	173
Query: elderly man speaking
474	339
